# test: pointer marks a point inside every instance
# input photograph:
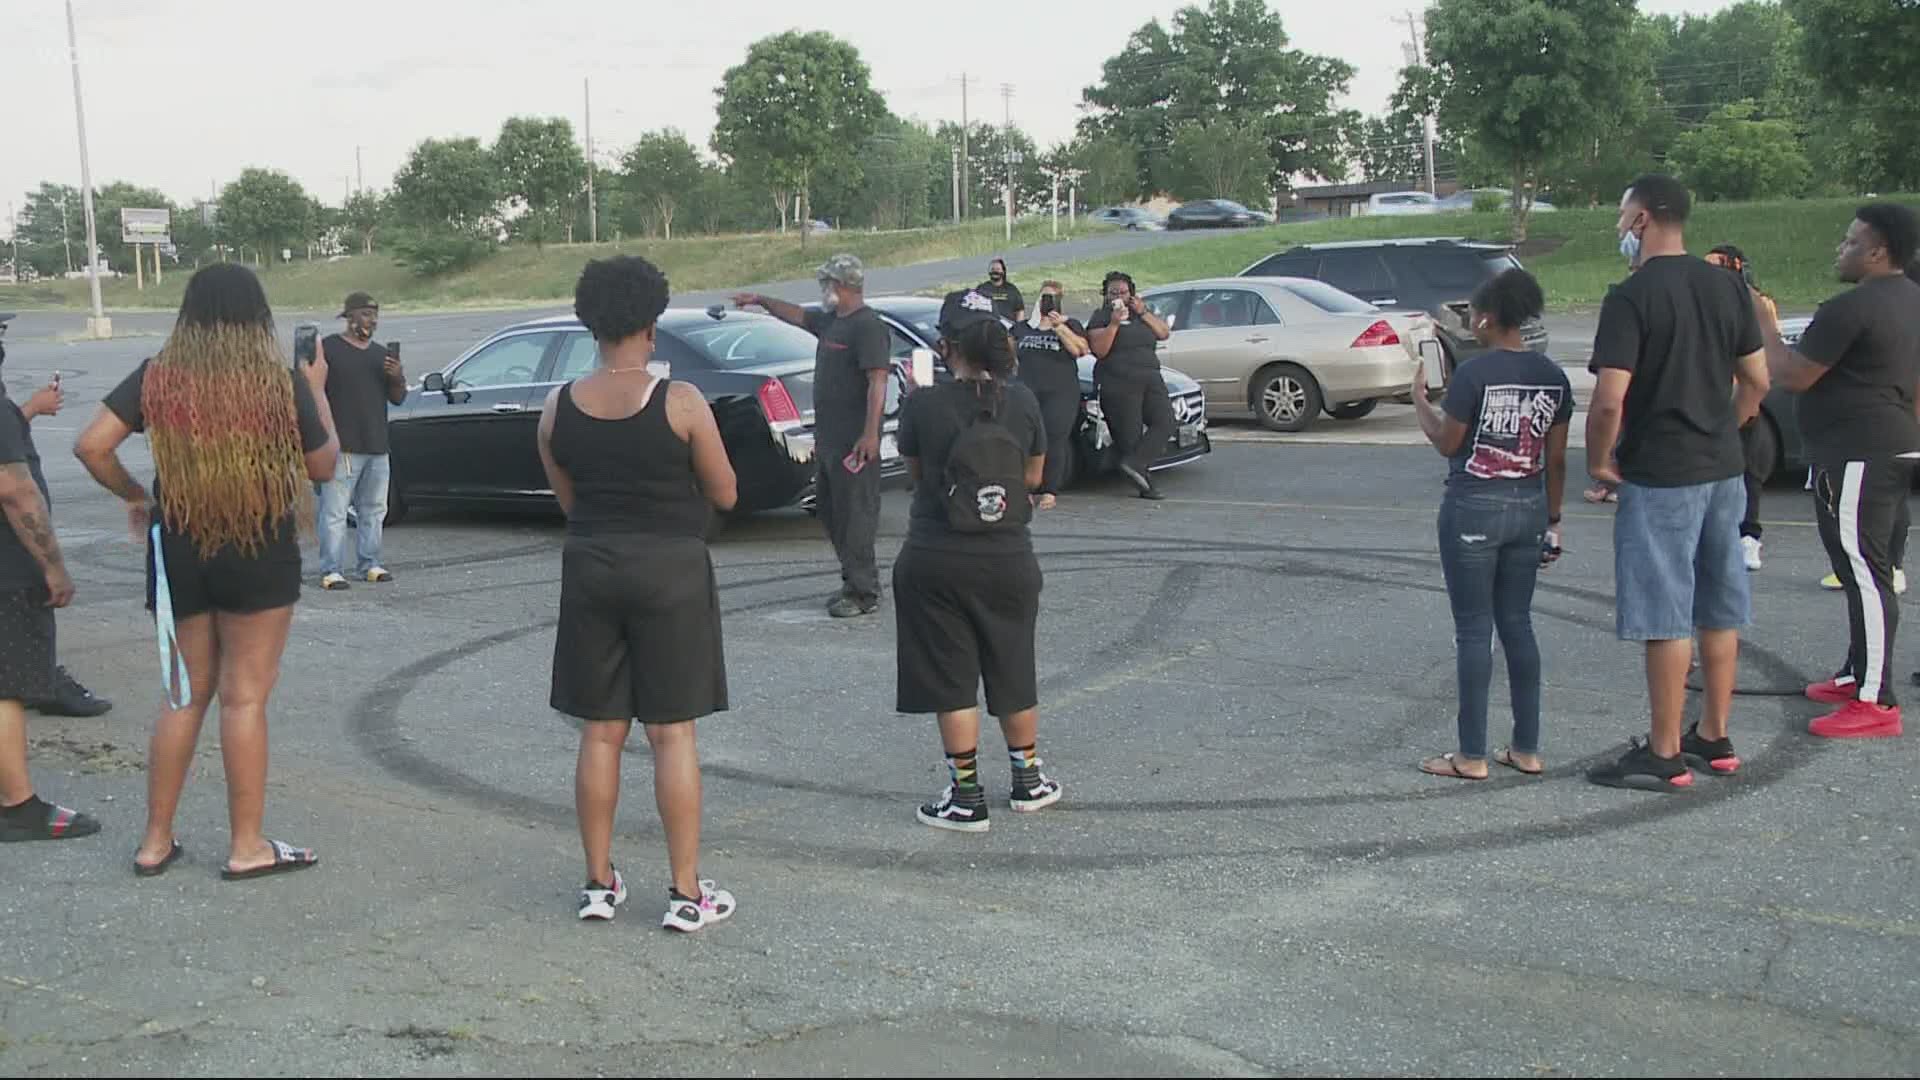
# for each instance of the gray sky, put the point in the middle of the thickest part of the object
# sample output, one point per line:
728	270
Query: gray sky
183	94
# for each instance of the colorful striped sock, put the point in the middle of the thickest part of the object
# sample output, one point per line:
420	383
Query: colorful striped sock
1026	764
964	769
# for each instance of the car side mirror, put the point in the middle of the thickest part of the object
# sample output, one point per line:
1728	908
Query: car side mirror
435	382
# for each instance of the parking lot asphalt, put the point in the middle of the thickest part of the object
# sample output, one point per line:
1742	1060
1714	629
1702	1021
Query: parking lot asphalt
1247	876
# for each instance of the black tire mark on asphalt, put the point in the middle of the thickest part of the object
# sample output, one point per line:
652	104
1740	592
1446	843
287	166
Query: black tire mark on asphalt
374	726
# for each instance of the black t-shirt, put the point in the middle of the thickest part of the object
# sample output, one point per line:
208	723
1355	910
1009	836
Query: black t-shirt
850	346
1006	298
357	391
930	421
1509	401
124	402
18	568
1868	338
1045	364
1679	325
1132	354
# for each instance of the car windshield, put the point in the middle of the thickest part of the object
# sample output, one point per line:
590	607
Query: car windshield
743	343
1326	297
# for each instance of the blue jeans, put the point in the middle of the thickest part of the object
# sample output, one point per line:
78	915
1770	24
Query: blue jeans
1490	544
1676	561
359	480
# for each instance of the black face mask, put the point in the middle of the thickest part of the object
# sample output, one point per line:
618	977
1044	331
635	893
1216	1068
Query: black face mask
996	276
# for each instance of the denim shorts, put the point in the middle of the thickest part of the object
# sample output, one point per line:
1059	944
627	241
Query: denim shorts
1677	564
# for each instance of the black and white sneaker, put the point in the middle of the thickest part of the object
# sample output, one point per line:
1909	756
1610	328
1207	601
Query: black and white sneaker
597	901
1038	795
945	813
687	915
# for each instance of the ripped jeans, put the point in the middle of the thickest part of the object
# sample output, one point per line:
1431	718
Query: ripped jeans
1490	543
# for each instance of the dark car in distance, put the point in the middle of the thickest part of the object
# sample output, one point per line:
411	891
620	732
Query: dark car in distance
1436	275
468	433
1214	214
913	323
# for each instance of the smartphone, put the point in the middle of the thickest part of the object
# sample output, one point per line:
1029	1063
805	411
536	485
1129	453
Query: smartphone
923	367
852	463
393	349
1434	361
306	343
1049	304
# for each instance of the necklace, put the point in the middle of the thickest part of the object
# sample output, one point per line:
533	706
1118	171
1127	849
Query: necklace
623	370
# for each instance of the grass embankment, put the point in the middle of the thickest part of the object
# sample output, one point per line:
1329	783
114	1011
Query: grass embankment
1574	253
517	276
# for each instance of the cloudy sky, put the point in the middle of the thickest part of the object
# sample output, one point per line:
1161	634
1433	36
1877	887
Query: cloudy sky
183	94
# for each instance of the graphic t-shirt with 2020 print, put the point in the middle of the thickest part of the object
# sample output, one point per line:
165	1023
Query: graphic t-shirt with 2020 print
1509	401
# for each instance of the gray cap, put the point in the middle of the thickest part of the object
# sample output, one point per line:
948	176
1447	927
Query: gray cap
845	269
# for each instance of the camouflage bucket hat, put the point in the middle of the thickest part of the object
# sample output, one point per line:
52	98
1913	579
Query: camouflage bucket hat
845	269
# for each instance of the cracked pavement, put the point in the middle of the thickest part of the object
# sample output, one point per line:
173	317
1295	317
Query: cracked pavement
1247	876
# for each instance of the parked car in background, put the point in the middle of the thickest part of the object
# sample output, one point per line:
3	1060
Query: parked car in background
1779	413
1283	350
1391	203
1127	217
1435	275
914	321
466	433
1213	214
1464	200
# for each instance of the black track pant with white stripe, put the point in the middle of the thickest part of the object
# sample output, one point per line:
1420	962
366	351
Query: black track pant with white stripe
1859	504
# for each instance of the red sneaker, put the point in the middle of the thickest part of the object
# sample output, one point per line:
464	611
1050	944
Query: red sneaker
1833	691
1859	720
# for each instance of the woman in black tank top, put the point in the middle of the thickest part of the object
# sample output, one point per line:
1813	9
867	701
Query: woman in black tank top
637	464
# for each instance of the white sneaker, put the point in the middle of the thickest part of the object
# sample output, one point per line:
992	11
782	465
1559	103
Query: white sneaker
598	903
687	916
334	581
1750	548
1899	582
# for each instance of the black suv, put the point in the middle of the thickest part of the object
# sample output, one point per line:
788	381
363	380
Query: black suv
1436	275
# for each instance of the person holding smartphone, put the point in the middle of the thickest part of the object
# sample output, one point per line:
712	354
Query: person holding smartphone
850	371
363	377
1049	347
1503	428
1123	334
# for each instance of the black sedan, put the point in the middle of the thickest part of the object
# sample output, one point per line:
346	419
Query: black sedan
1214	214
468	433
913	322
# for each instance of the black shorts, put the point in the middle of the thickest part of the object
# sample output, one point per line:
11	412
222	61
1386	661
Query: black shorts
26	645
228	580
639	633
964	619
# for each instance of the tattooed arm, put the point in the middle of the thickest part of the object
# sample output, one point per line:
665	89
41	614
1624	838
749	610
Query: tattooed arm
32	522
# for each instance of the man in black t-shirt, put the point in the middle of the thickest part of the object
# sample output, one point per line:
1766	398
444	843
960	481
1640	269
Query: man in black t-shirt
1124	335
33	582
1672	339
1856	370
363	377
1008	304
850	371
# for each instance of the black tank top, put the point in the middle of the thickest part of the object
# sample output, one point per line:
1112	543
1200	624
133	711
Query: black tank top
632	475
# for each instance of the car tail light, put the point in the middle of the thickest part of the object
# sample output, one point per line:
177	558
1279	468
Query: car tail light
1380	333
776	402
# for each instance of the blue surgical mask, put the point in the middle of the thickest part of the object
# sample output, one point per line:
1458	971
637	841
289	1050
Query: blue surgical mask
1630	247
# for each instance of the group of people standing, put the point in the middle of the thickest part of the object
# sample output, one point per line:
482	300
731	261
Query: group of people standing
1685	351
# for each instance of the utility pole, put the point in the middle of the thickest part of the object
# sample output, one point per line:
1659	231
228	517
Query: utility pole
98	326
966	160
66	242
593	216
13	221
1415	58
1006	142
1055	174
359	173
956	185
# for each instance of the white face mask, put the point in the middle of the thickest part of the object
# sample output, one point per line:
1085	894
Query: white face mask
827	298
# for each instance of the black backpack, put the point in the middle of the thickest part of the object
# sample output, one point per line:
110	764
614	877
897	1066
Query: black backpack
986	474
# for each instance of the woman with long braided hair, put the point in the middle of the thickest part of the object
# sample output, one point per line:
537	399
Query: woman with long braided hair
237	437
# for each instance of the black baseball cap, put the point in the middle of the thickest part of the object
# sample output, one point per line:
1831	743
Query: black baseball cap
963	308
357	300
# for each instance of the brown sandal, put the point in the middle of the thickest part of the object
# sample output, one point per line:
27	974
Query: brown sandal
1505	757
1452	769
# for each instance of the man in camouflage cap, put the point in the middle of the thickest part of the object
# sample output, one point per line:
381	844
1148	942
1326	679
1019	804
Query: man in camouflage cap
850	371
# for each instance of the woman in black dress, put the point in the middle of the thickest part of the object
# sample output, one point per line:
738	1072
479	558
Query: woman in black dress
637	464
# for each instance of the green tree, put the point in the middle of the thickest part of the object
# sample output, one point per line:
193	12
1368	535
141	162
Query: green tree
905	181
1534	79
1707	61
1861	49
108	201
1221	160
801	105
362	217
1734	156
267	210
53	230
1228	59
542	172
988	148
659	175
1109	169
448	184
